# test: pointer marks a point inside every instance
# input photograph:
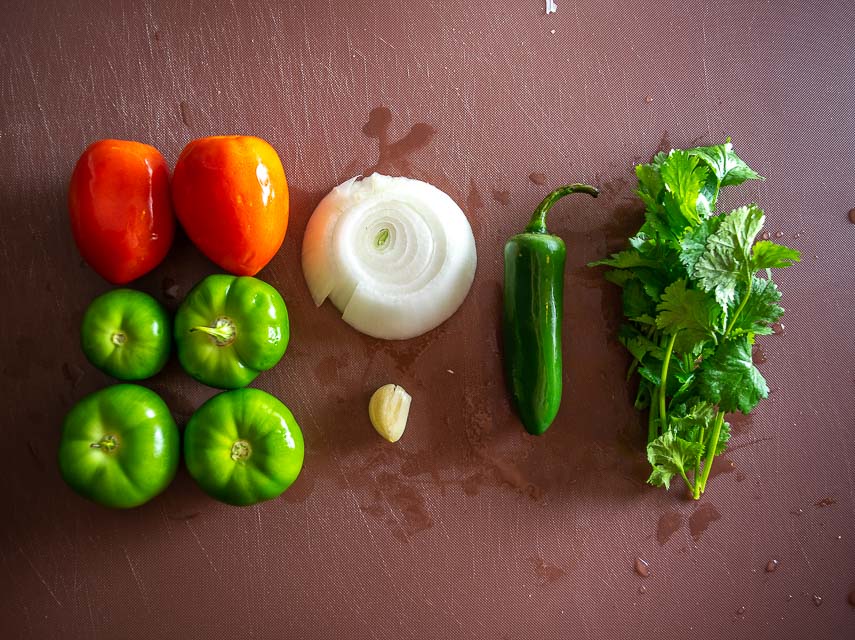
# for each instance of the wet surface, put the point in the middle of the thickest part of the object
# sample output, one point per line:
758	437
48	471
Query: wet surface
546	572
394	157
468	527
537	178
669	523
701	519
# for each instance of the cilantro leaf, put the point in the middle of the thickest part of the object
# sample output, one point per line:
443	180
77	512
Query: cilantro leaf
670	455
696	425
723	439
688	425
675	189
694	242
619	276
684	177
651	374
638	344
729	168
654	281
625	260
727	259
760	311
768	255
650	188
637	305
691	314
641	242
729	378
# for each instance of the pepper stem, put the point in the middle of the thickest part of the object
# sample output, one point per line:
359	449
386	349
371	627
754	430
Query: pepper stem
223	331
538	218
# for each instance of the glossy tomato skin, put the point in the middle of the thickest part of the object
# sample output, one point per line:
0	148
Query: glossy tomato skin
231	197
121	215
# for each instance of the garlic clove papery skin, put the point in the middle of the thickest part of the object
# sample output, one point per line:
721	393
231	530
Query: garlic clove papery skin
395	255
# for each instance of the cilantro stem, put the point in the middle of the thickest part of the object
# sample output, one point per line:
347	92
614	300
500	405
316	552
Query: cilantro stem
701	484
651	418
698	465
740	307
692	487
664	381
632	368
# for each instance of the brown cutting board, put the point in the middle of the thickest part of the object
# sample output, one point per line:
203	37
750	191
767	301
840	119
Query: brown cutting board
468	528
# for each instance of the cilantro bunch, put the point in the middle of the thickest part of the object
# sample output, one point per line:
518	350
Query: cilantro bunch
694	301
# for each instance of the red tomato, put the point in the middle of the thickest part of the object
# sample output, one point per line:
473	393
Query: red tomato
121	216
231	197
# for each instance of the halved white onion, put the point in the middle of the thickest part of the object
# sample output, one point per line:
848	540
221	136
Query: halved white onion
396	256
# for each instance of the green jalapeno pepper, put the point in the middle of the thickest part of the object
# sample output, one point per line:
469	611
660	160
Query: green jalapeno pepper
533	310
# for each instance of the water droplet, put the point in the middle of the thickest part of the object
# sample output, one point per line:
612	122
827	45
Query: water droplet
789	597
797	235
759	354
501	196
779	234
649	99
643	589
740	611
852	215
642	567
537	178
766	235
825	502
154	236
772	565
779	329
817	600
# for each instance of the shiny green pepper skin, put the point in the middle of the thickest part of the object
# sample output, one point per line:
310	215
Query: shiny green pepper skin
126	334
119	446
533	304
229	329
243	447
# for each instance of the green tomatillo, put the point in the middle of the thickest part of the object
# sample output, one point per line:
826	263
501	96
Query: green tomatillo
229	329
126	334
243	447
119	446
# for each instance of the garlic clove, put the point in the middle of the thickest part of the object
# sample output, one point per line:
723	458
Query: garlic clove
388	410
